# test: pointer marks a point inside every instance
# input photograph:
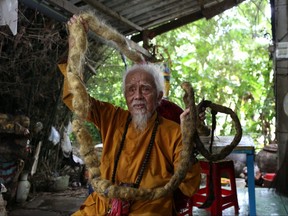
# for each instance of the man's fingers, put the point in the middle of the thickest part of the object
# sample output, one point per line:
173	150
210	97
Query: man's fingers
202	115
73	20
184	114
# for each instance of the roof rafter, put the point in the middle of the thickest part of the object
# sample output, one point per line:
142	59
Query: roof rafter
69	7
206	12
97	5
168	27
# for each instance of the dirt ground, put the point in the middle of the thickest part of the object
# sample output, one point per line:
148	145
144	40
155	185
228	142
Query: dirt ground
50	203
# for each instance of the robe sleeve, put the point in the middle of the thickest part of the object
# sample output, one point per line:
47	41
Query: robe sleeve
67	96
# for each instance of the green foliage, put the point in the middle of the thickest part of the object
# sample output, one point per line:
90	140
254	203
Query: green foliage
94	132
107	83
226	60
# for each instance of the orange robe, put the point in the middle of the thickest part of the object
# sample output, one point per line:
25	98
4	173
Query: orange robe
165	155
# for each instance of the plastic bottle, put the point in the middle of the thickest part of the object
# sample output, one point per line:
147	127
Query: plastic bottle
23	188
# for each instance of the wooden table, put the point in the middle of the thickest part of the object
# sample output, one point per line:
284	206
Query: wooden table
246	146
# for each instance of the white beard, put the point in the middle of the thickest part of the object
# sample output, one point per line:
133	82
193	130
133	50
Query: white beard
140	120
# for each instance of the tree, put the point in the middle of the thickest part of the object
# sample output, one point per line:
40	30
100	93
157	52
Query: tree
226	59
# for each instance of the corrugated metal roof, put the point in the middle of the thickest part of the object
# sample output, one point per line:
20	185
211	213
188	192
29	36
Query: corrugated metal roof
142	20
133	17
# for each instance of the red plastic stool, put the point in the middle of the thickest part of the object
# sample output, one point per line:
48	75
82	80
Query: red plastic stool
224	198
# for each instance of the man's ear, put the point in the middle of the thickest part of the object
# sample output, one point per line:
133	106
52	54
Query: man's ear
159	98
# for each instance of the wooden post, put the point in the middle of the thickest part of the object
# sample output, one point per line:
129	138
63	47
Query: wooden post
281	74
280	36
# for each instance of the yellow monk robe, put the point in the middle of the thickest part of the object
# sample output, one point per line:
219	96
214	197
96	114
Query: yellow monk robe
165	155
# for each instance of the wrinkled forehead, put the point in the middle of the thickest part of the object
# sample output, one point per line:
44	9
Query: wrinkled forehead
139	76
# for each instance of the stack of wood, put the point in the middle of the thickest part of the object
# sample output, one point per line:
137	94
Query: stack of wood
14	137
14	148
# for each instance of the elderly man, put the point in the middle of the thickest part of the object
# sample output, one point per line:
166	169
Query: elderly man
143	91
132	136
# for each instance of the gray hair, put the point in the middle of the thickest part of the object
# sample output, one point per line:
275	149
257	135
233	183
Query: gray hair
154	69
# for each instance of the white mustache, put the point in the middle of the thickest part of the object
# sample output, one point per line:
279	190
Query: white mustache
138	103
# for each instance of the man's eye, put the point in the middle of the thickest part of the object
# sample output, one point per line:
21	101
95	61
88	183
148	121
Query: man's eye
146	89
131	90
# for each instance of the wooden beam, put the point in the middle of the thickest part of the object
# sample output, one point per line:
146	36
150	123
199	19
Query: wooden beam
218	8
99	6
65	5
205	13
140	49
169	26
45	9
74	10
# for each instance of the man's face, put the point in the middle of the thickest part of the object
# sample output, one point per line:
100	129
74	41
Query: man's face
140	93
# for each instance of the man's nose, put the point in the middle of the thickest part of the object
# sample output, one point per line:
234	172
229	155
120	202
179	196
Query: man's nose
138	93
